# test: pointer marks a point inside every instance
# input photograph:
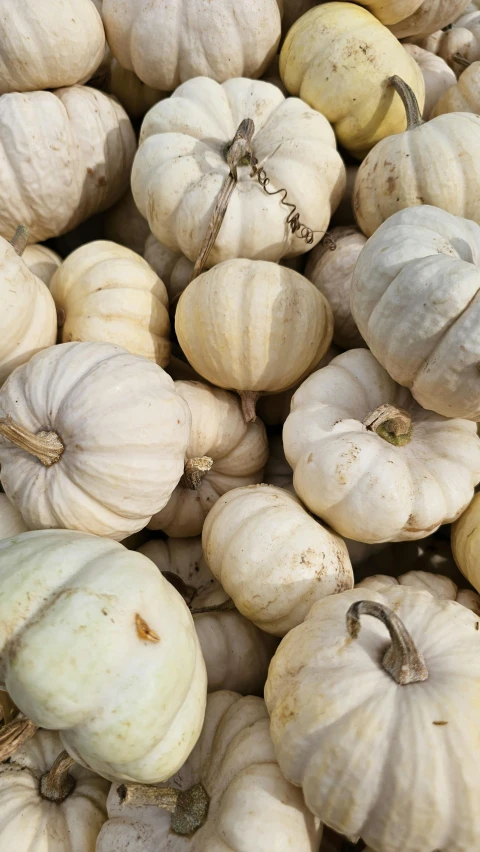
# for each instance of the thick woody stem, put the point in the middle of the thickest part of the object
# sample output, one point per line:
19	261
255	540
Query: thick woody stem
56	785
46	446
189	808
226	606
15	734
194	471
461	60
414	116
392	424
20	239
401	660
249	402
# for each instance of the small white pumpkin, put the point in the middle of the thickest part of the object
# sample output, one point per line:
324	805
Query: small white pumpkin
253	326
107	293
415	297
330	268
415	17
464	96
11	521
422	689
369	461
42	261
182	164
98	445
272	557
123	223
126	683
48	45
223	453
466	542
47	805
462	39
438	77
233	773
236	653
441	587
172	267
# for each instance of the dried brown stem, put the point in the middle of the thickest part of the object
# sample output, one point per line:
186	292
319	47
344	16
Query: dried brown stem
46	446
226	606
461	60
15	734
414	116
194	471
20	239
249	402
390	423
57	784
189	808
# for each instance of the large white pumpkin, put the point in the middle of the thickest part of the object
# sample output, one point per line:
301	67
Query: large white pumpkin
382	735
93	438
233	772
272	557
223	453
369	461
126	681
166	43
415	298
438	76
77	146
46	808
236	652
181	166
42	261
107	293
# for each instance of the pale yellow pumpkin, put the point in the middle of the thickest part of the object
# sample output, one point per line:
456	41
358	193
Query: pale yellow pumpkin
466	542
415	17
464	96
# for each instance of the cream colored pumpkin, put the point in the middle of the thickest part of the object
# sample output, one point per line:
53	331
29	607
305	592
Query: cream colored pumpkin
172	267
168	43
423	330
107	293
223	453
331	272
42	261
272	557
136	97
77	149
253	326
337	58
65	816
236	653
251	808
415	17
369	461
464	96
126	683
437	75
403	171
48	45
181	167
421	688
441	587
105	439
27	317
123	223
11	521
466	542
463	39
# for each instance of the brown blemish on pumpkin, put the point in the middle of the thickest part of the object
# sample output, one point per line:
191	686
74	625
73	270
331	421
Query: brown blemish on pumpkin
144	631
477	625
440	723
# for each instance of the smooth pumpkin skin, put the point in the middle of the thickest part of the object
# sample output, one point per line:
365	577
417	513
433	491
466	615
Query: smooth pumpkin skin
31	823
464	96
364	487
107	293
77	149
42	261
437	75
415	17
384	784
337	58
11	521
124	429
466	542
46	45
239	452
252	807
250	325
425	332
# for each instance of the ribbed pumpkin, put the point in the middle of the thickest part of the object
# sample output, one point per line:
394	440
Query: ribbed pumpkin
464	96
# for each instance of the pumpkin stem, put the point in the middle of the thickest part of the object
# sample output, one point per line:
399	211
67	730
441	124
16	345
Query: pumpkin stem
188	593
189	808
249	402
46	446
194	471
392	424
414	116
226	606
58	784
461	60
20	239
15	734
401	660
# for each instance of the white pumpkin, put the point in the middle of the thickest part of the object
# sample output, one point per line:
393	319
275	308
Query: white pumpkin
236	653
423	330
48	45
126	683
107	293
42	261
464	96
272	557
77	149
369	461
438	77
28	317
415	17
441	587
11	521
232	772
168	43
136	97
223	453
98	445
181	166
422	689
123	223
172	267
45	806
466	542
330	268
462	39
253	326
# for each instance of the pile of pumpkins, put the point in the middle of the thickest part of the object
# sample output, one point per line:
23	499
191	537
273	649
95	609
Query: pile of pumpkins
239	396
